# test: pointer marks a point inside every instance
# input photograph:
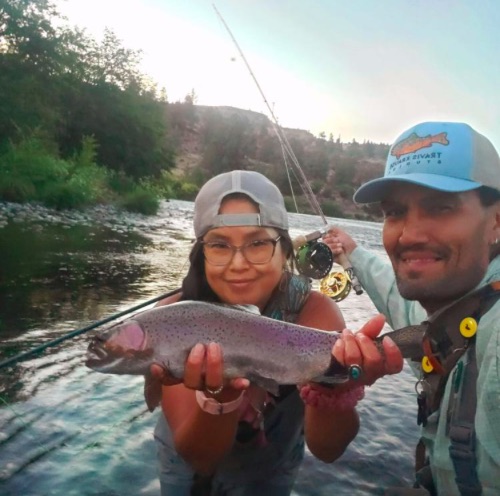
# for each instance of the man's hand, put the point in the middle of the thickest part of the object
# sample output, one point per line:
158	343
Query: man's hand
359	349
339	241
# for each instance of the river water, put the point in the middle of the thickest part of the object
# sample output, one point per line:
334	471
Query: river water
67	430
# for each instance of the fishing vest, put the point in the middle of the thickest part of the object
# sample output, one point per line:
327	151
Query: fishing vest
450	334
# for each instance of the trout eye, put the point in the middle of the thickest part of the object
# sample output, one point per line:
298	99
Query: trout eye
98	338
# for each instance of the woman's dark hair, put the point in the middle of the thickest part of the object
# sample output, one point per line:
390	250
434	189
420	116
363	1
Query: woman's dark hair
195	285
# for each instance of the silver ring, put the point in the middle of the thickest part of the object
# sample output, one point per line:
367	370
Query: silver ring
214	392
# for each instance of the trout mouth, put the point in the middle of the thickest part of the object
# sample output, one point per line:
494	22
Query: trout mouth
120	348
99	355
117	360
96	349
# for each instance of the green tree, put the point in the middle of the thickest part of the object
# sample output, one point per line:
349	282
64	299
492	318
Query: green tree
63	81
32	53
191	98
345	171
110	62
228	142
317	160
28	35
130	129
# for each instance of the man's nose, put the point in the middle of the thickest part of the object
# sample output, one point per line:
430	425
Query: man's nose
414	230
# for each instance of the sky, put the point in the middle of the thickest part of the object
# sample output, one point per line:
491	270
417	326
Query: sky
358	69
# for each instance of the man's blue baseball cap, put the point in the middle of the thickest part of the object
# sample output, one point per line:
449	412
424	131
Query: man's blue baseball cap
446	156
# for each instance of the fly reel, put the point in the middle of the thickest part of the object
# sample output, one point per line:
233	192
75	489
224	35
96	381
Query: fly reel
336	285
314	259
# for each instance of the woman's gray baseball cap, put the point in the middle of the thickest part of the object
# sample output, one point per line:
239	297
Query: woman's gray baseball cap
272	211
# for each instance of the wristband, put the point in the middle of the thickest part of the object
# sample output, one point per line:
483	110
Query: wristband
214	407
332	400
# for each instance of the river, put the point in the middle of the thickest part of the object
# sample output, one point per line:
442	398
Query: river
67	430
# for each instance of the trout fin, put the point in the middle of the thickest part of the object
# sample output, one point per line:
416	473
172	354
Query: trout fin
264	382
336	373
331	380
152	392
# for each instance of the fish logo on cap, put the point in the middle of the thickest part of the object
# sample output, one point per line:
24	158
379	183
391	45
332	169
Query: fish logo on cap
414	142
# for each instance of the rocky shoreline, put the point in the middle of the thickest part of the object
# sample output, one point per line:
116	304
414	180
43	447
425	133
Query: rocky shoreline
35	216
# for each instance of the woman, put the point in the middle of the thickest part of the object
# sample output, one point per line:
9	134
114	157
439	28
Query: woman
237	436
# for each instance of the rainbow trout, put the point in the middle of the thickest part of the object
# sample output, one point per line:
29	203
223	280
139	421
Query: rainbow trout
268	352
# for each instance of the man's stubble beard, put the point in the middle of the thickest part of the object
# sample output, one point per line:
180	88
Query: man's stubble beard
439	292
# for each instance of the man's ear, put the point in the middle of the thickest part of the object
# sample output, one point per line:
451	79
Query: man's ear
496	226
495	232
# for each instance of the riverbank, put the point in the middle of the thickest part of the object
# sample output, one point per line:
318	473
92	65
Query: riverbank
32	215
37	213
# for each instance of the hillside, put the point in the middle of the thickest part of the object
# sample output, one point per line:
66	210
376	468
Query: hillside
99	130
210	140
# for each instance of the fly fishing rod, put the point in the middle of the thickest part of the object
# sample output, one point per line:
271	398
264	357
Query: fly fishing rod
314	258
77	332
304	183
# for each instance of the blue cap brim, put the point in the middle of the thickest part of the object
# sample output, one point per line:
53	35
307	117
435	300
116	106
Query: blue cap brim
377	190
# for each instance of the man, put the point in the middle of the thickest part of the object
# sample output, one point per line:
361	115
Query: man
440	196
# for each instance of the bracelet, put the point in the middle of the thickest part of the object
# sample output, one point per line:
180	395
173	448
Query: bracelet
332	400
214	407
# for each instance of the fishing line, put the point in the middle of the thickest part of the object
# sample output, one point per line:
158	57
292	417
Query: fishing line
77	332
289	178
304	183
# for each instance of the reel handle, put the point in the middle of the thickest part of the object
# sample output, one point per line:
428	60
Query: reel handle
344	261
304	239
342	258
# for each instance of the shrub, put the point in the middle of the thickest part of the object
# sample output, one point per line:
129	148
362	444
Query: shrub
346	191
289	204
188	191
28	168
140	200
317	185
87	155
65	196
92	181
120	183
16	189
331	209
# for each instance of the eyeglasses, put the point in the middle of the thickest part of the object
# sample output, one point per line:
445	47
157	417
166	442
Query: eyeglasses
256	252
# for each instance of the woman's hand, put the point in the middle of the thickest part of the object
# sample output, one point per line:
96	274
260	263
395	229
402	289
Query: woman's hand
360	349
204	371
